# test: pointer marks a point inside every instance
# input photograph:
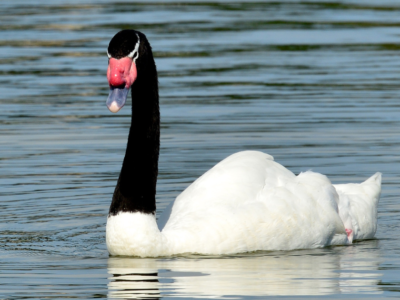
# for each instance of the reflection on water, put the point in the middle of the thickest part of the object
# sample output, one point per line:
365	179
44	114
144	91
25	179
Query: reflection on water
336	270
134	282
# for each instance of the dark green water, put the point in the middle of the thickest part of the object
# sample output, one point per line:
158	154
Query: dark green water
316	84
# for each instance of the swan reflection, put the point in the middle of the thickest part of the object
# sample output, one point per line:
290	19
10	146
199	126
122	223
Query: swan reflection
338	270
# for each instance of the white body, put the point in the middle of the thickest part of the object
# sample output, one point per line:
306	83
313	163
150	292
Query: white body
248	202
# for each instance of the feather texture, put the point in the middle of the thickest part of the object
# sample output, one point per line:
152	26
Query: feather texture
249	202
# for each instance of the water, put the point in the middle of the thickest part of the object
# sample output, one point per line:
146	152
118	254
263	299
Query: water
315	84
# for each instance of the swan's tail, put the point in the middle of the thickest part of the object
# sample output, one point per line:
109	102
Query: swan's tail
358	207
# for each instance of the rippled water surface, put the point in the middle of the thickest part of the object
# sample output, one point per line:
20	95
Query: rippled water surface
316	84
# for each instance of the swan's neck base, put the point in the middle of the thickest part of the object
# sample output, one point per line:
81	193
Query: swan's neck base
134	234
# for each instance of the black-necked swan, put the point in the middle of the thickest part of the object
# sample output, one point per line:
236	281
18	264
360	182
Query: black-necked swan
247	202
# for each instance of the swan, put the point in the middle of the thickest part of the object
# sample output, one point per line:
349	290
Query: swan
245	203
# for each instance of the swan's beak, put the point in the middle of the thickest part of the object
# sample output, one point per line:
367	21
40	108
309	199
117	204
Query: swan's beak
117	98
121	74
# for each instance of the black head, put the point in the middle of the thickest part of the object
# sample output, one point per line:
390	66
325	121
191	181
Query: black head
123	43
130	65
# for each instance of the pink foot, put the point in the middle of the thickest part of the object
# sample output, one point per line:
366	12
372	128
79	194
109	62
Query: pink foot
348	231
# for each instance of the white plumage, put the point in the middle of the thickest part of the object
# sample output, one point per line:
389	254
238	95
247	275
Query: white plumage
248	202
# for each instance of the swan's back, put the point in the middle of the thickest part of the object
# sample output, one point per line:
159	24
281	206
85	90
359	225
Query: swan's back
249	202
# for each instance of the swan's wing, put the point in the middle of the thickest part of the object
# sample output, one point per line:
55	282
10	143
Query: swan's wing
358	206
234	180
249	202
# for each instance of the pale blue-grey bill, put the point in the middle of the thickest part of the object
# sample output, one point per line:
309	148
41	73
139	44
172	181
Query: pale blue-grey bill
116	98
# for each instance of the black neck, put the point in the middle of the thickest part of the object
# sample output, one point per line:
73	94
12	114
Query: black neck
136	187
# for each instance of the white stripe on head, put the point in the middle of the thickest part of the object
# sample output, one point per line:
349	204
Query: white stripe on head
135	51
108	54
